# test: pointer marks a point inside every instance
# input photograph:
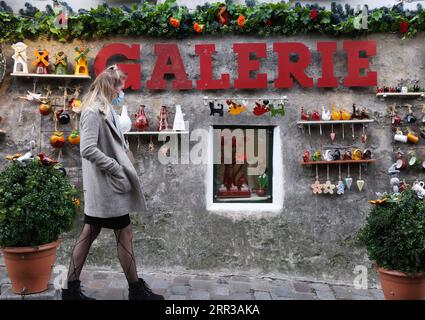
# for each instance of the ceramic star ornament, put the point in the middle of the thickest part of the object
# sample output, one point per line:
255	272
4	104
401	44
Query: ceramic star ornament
328	187
317	187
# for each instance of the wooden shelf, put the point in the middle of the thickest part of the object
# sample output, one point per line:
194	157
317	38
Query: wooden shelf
335	122
337	162
408	95
37	75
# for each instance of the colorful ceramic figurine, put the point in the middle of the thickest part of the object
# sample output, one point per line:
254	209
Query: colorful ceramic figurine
20	58
326	114
306	156
235	109
357	154
82	64
42	61
61	63
141	123
260	109
317	156
277	111
304	115
410	118
214	110
347	155
315	115
345	114
336	114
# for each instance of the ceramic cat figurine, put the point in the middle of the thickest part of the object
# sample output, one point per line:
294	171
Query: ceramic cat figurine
326	114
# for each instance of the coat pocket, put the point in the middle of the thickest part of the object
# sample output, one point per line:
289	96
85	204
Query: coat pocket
119	181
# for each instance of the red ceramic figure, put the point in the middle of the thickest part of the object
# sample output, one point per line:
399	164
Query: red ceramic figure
260	109
306	156
304	116
141	123
163	119
315	116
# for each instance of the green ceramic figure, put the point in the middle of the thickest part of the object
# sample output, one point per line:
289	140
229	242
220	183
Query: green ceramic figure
61	63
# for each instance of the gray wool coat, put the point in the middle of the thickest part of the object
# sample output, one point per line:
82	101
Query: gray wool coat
110	181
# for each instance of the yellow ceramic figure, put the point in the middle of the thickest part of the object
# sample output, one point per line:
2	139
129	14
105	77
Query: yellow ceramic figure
336	114
235	109
345	114
357	154
82	64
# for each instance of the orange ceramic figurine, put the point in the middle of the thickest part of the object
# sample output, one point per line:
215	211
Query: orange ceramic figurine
336	114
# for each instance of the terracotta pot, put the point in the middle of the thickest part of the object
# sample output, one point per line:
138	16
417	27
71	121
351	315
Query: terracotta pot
399	286
30	268
261	192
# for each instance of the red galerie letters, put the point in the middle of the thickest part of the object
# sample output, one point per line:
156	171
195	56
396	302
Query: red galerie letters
169	61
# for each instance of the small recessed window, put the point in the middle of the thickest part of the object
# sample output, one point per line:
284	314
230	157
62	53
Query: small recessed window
243	164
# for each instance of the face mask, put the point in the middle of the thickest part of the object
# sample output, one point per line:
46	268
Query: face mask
119	99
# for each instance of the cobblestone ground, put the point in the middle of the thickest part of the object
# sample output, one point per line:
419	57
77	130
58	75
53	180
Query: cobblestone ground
107	285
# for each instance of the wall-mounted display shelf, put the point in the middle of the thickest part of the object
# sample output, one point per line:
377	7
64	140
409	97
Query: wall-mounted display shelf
407	95
165	132
337	162
39	75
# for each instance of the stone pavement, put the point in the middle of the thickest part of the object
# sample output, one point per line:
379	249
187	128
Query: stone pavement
110	285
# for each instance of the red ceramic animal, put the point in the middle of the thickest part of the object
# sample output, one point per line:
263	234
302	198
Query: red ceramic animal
260	109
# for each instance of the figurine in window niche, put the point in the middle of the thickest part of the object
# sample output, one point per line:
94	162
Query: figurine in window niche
82	64
214	110
41	62
61	63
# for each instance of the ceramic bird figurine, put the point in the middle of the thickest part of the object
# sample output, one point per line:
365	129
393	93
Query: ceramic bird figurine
260	109
336	114
345	115
326	114
13	157
304	116
46	161
26	156
315	115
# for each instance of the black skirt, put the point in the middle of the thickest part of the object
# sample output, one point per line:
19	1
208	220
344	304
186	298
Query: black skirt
109	223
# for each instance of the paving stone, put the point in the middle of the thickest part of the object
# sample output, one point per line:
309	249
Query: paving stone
220	290
240	279
96	284
222	280
342	292
360	292
180	290
118	283
201	284
284	291
182	279
323	291
261	285
203	277
303	287
377	294
304	296
240	296
239	287
200	295
101	276
114	294
262	295
361	297
159	284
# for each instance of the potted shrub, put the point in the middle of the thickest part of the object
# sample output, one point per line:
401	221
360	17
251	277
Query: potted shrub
37	204
394	237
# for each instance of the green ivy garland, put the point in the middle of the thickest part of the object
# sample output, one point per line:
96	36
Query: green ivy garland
169	20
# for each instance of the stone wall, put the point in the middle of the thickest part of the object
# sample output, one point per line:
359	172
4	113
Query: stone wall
312	237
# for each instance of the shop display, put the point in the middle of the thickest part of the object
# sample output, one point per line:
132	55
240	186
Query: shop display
42	61
57	140
20	58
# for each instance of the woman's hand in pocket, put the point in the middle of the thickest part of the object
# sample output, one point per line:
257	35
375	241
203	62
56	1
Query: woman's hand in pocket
119	180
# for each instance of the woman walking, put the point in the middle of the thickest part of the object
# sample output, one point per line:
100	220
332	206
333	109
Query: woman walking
111	185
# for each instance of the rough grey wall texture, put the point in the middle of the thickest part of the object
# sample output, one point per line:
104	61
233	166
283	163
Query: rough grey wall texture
312	237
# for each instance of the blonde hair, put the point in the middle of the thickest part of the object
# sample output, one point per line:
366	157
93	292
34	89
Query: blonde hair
103	89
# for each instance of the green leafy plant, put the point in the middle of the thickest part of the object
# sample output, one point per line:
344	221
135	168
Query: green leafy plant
262	19
37	204
262	181
394	234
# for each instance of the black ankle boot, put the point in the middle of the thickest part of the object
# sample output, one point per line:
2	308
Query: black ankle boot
141	291
74	292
